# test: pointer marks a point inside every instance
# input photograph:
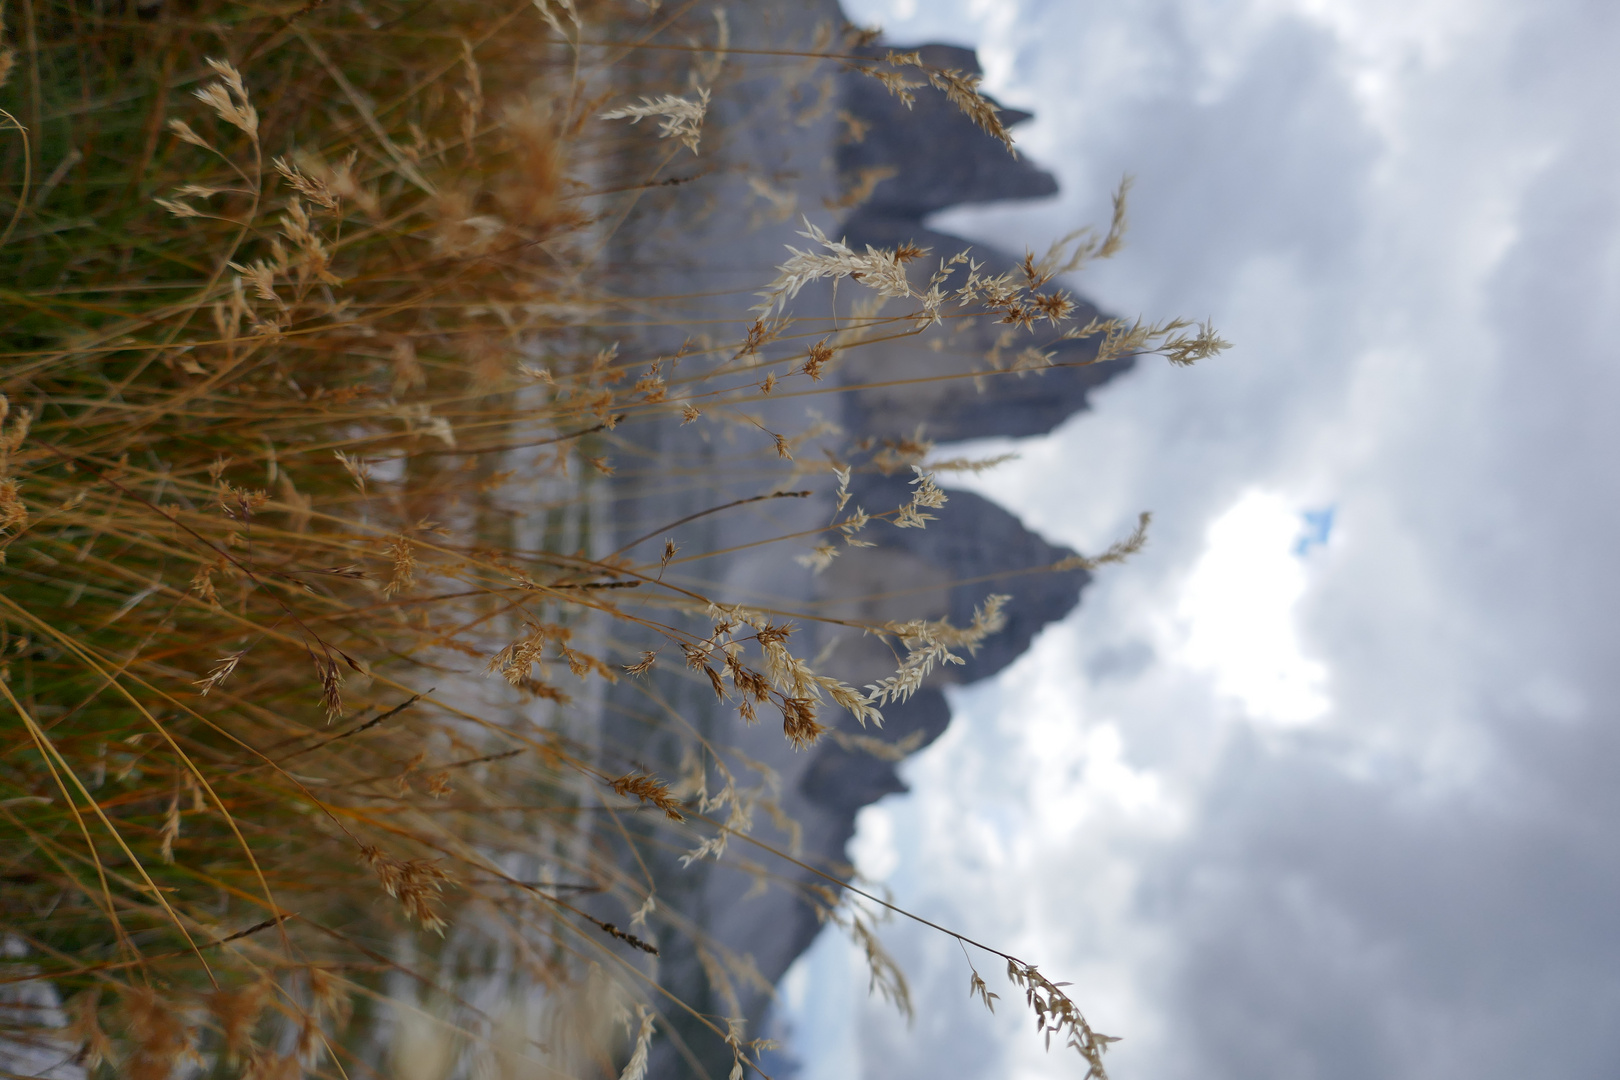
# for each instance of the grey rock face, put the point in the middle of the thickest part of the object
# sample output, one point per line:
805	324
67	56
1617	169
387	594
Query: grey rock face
940	157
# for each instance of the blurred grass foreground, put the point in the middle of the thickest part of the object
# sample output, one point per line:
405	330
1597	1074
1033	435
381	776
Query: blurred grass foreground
352	724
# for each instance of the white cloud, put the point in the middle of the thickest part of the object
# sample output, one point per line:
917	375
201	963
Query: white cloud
1237	613
1406	216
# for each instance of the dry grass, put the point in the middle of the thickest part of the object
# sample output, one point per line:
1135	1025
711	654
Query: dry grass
292	293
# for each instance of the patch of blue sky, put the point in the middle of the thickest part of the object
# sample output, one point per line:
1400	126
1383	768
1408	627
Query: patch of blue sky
1317	526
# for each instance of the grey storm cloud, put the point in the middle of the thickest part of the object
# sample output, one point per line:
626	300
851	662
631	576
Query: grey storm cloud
1407	215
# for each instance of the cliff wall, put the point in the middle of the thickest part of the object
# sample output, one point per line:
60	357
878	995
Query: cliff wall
775	140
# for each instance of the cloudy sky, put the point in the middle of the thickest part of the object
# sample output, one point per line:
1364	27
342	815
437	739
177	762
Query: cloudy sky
1324	784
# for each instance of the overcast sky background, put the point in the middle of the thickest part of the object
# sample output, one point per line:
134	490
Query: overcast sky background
1280	803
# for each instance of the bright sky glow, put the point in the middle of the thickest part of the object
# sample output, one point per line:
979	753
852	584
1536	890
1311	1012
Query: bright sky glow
1237	613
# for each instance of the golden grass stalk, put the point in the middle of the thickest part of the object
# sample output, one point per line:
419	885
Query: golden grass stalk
307	294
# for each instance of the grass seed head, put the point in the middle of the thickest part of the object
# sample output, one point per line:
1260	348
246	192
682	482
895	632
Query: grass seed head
649	789
415	883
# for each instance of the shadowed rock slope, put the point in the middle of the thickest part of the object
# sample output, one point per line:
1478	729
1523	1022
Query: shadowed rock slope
715	239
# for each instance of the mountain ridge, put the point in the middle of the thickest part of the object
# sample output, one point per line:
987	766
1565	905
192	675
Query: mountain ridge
938	159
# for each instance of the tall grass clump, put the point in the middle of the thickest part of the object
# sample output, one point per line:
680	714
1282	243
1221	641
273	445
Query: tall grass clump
311	367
